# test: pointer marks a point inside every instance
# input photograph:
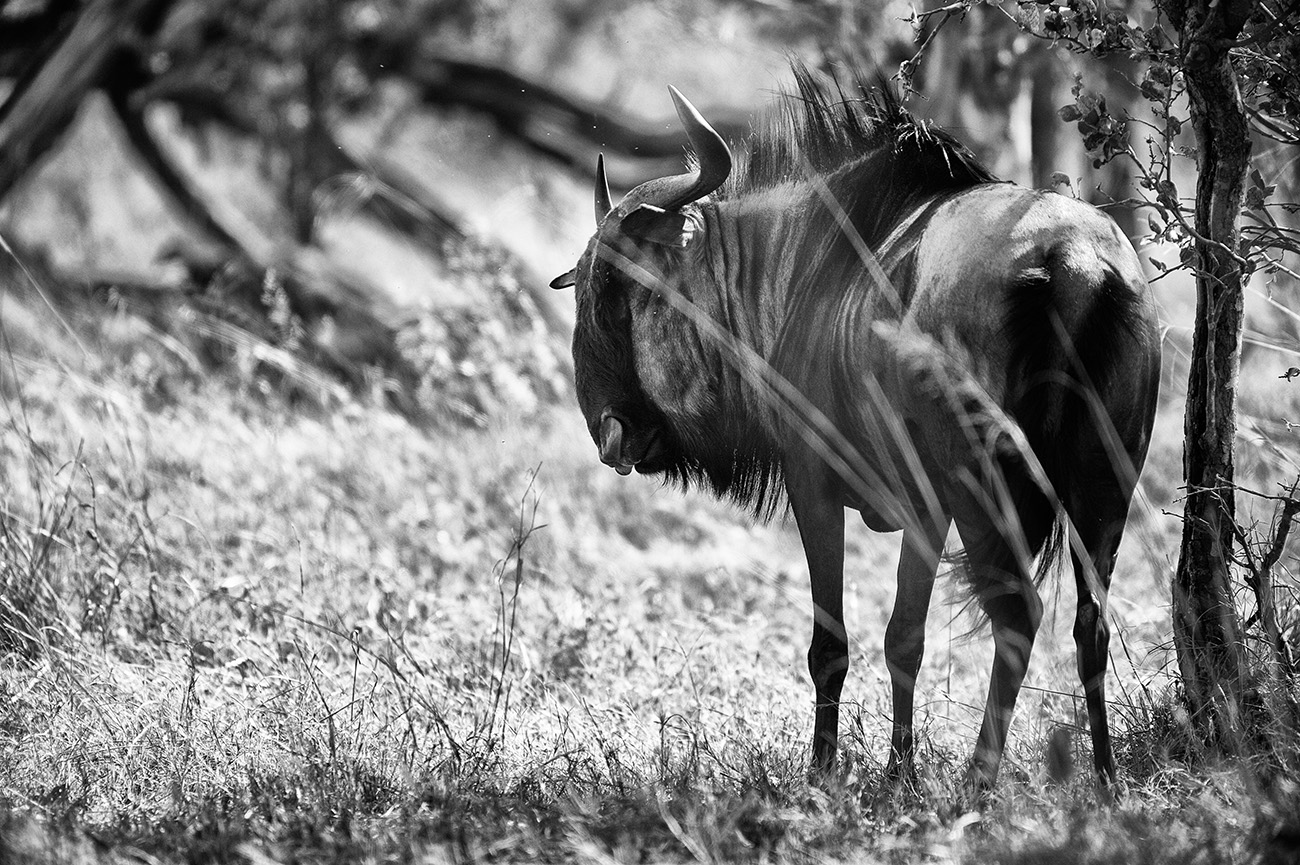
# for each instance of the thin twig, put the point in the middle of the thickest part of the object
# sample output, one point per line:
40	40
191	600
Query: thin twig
1264	32
908	67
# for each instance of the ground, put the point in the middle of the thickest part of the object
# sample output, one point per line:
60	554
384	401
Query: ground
243	625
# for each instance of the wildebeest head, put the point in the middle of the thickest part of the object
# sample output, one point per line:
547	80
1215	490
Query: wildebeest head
640	369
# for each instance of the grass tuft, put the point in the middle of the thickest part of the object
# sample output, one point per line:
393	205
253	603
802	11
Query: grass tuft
240	626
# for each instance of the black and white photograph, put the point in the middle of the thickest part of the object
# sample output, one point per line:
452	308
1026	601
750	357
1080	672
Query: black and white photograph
619	432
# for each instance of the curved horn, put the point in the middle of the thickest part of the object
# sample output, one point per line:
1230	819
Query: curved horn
603	205
711	152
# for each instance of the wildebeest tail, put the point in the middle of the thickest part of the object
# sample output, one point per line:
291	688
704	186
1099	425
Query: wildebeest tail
1065	341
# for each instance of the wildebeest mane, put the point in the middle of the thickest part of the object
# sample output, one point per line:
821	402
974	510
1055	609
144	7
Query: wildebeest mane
822	129
879	164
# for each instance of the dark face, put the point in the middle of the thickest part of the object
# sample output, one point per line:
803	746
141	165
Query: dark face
642	374
638	364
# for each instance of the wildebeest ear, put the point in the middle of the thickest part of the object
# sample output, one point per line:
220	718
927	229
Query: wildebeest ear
664	227
565	280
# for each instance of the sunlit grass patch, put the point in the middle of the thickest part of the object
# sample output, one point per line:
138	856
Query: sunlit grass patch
268	630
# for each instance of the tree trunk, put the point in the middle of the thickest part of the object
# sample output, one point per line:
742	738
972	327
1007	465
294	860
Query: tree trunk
1207	632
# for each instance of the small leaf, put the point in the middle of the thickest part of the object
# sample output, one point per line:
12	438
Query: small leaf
1069	113
1156	39
1160	74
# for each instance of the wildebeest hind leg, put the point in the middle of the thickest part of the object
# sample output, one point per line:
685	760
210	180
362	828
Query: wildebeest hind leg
905	636
820	518
998	548
1099	519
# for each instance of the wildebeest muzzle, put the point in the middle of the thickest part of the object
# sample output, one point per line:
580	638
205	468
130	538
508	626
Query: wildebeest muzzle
624	445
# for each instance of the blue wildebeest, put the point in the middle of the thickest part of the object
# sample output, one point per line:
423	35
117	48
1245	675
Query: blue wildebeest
860	314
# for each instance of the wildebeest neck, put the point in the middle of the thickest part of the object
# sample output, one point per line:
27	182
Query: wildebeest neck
754	249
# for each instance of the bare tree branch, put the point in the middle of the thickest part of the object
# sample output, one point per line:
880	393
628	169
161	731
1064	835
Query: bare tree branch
562	127
42	106
26	39
173	184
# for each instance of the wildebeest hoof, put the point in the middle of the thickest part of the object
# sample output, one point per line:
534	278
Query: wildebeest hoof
901	773
977	787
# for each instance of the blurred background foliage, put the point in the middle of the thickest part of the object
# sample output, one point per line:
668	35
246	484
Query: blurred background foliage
337	164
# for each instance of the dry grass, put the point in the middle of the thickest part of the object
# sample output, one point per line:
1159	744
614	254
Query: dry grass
236	627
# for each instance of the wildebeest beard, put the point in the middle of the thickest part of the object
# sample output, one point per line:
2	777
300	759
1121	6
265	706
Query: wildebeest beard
740	464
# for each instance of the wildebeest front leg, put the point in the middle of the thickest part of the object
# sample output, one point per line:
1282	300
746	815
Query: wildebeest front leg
820	518
905	636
